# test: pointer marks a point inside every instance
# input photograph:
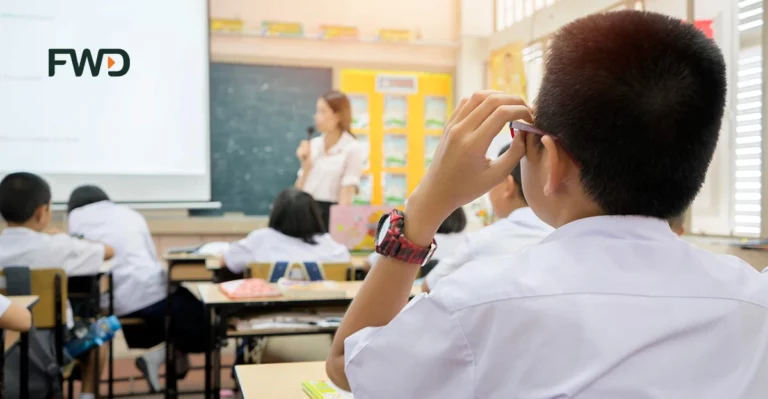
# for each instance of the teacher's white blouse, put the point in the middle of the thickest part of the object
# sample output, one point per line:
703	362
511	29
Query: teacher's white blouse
341	166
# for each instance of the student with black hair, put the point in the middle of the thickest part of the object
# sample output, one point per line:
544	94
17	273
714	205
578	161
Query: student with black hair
296	232
612	304
451	234
25	204
139	285
517	228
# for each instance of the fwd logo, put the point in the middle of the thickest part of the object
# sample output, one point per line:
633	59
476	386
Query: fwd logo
87	58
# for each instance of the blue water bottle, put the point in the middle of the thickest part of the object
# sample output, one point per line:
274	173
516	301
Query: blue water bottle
96	334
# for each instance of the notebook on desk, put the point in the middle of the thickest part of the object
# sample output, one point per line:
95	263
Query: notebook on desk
324	390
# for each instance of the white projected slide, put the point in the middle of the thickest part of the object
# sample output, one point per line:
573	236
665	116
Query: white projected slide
143	134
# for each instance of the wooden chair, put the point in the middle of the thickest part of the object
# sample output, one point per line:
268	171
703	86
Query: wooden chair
310	271
50	285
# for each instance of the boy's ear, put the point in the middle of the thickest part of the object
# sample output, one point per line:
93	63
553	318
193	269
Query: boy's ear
555	165
41	212
510	187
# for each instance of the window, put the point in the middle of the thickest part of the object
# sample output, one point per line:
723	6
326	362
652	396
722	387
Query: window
510	11
748	144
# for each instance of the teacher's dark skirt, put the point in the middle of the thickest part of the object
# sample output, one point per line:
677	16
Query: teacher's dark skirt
325	213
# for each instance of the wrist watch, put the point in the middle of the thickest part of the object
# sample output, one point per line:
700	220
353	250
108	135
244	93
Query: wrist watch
391	242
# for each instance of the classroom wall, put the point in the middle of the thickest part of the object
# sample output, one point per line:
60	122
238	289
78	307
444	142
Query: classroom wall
436	20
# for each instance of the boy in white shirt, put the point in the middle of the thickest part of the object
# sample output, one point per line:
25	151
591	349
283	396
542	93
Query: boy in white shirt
517	228
612	304
139	281
25	205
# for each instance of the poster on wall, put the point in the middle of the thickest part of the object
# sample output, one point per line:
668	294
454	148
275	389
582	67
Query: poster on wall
395	112
365	194
507	71
395	188
430	147
364	142
395	150
360	116
435	110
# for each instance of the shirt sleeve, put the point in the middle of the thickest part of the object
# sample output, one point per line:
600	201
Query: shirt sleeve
373	258
240	253
81	257
353	167
5	303
421	353
446	266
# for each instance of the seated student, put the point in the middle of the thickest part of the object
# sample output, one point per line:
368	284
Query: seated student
295	233
139	286
518	228
610	305
451	235
25	205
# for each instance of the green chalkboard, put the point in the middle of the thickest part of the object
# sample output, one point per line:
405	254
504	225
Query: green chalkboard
259	114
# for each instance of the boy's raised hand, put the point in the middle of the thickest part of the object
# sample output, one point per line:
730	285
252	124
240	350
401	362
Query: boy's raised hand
460	170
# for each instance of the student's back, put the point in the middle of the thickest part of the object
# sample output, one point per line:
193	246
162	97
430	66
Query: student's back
295	233
636	313
137	273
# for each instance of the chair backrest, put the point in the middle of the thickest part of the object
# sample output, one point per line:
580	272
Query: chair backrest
44	283
309	271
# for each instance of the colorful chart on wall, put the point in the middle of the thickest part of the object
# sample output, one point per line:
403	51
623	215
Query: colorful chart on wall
364	141
395	150
430	146
405	114
395	112
365	193
435	111
507	70
360	115
395	189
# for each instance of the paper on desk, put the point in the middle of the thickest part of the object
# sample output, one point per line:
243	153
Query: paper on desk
213	248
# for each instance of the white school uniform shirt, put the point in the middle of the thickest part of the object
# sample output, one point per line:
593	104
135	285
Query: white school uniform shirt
268	245
20	246
341	166
447	244
521	229
137	276
604	307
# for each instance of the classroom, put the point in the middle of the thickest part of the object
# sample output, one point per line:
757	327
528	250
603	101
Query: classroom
208	199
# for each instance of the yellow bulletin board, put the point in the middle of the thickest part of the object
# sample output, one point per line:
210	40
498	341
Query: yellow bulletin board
400	115
507	70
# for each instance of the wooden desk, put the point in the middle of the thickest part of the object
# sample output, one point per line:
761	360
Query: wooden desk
210	294
218	308
278	381
182	267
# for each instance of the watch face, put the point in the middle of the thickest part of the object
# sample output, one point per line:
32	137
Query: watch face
383	228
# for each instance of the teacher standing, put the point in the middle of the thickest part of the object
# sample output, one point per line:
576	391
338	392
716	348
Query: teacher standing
332	163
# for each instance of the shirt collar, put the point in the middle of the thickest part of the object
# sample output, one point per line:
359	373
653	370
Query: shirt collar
625	227
344	141
526	217
18	230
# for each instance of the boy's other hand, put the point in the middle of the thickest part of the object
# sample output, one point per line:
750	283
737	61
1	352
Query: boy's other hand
460	170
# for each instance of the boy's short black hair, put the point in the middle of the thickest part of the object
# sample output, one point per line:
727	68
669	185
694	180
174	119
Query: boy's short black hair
637	98
85	195
517	176
296	214
456	222
21	194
